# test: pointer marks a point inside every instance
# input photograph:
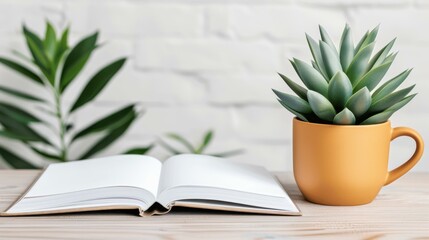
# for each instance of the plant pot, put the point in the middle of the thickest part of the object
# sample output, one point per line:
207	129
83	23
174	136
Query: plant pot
346	164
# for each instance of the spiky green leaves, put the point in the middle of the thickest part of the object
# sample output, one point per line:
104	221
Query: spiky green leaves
339	90
345	117
295	103
321	106
311	77
346	48
339	82
330	59
359	102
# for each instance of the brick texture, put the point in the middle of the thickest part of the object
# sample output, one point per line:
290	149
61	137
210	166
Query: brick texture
199	65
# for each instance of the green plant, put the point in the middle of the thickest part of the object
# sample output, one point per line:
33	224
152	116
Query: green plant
199	149
342	84
53	65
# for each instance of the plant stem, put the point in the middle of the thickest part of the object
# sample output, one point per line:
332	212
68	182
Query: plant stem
62	125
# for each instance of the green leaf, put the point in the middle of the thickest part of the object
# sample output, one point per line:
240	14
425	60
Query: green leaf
139	150
14	160
359	64
50	41
62	46
300	91
97	83
369	39
299	115
372	78
46	155
325	38
20	129
21	69
227	154
378	118
321	106
36	48
390	58
390	100
311	77
76	60
331	60
380	56
17	114
317	55
11	135
206	140
20	94
401	103
359	102
360	43
108	139
182	140
390	86
345	117
294	102
346	48
339	90
109	122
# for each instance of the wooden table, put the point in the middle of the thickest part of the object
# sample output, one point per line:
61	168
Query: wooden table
401	211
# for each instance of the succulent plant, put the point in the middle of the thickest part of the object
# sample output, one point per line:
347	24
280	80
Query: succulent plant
341	85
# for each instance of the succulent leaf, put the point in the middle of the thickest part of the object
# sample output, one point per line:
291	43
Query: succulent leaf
331	60
360	43
373	77
384	116
381	55
359	63
299	115
390	86
300	91
339	90
390	100
338	84
294	102
317	55
325	38
359	102
345	117
311	77
401	103
378	118
321	106
346	48
370	38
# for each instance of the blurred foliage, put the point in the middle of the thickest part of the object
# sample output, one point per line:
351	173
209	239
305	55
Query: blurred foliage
54	66
200	148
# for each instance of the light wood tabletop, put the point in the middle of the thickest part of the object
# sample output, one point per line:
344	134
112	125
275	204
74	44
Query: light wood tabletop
401	211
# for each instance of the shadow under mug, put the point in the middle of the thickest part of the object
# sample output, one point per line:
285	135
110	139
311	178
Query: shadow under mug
346	164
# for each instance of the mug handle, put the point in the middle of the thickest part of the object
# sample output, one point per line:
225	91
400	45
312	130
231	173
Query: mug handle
405	167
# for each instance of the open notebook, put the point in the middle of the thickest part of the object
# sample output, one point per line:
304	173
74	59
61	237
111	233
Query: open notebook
136	181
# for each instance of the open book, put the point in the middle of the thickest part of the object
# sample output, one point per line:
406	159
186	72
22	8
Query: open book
153	187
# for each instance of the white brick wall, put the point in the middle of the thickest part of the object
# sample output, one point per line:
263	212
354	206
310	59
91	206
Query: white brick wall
195	65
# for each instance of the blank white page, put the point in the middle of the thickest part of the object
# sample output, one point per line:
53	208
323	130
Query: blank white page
122	170
207	171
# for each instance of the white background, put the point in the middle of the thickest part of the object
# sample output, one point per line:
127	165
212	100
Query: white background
195	65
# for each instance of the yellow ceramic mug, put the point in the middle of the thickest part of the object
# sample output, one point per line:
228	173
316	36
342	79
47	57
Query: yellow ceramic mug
346	164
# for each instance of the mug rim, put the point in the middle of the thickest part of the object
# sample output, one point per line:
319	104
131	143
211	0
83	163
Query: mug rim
297	120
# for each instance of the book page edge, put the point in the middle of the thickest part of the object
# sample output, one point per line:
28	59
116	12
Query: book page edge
235	209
